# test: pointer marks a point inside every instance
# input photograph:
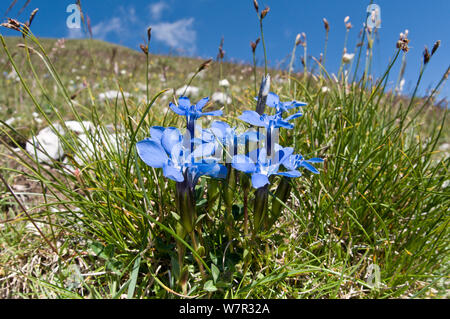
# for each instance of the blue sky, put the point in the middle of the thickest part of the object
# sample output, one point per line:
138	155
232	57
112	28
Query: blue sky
195	28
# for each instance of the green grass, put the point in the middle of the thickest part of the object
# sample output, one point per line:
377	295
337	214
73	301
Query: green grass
379	207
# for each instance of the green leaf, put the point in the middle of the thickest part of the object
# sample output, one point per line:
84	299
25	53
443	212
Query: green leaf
209	286
115	266
134	277
215	272
101	251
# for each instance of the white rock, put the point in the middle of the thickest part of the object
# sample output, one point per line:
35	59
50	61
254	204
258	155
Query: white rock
46	145
112	95
221	98
77	127
190	91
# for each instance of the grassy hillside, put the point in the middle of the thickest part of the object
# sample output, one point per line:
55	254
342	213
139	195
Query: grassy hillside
372	224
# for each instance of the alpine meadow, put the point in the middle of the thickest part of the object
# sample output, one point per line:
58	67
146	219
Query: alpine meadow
131	174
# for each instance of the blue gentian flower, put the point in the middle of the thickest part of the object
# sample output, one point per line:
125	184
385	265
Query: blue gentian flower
268	121
273	100
294	162
165	149
264	166
220	135
192	112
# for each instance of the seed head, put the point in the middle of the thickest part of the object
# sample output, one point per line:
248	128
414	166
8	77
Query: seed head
149	34
347	18
326	25
33	14
403	41
265	12
144	48
256	5
221	54
254	45
435	47
204	65
12	24
298	39
426	56
88	20
349	25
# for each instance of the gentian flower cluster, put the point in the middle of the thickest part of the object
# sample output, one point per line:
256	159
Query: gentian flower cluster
184	158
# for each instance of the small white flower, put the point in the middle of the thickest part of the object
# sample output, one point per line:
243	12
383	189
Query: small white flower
221	98
325	89
224	83
190	91
347	57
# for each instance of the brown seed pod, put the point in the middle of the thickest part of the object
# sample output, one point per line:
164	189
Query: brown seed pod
204	65
435	47
256	5
426	56
326	25
32	15
144	49
265	12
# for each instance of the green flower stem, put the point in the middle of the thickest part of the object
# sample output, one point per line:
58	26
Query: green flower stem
281	196
260	208
264	46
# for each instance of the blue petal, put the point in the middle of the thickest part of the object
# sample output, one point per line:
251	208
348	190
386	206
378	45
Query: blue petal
253	118
291	174
204	150
177	110
156	133
290	162
272	100
315	160
309	167
212	113
152	153
170	138
293	104
220	173
243	163
284	154
259	180
184	102
173	173
201	104
220	129
284	124
293	116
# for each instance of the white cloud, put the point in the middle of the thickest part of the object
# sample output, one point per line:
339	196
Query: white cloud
156	9
178	35
102	29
